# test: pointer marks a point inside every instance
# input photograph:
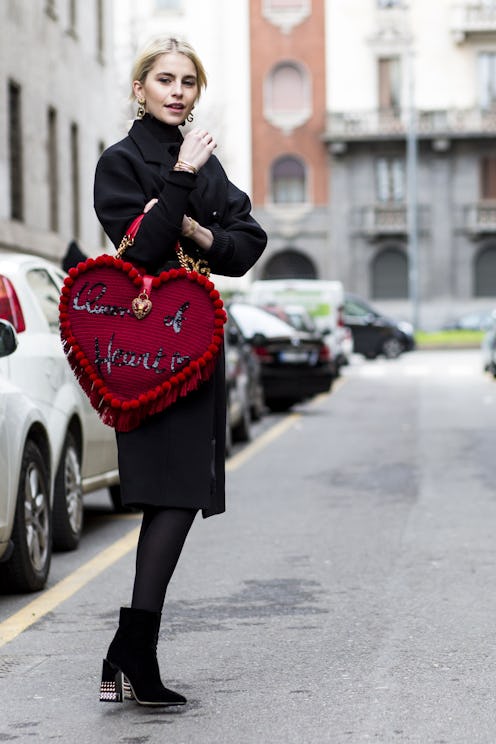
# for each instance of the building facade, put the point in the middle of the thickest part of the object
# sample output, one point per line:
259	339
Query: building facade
289	158
425	73
57	115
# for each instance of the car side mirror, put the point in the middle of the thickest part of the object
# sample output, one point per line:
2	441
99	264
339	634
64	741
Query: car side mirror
8	338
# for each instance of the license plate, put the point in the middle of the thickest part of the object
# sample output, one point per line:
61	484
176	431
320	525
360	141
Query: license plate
293	357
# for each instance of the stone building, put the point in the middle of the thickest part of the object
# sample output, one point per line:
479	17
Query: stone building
57	114
430	66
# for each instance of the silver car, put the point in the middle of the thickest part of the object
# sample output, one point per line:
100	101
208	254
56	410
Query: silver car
78	452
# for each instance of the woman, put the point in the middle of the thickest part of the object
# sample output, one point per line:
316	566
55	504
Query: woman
172	465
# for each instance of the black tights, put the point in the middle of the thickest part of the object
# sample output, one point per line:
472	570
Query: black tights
162	536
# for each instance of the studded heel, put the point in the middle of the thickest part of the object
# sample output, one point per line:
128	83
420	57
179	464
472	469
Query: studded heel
131	670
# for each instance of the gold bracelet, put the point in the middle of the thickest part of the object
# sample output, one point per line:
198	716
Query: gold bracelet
184	166
193	226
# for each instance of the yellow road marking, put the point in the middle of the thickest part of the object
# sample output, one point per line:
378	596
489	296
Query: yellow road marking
262	441
51	598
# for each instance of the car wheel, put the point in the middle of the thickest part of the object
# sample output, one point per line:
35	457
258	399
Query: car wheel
279	405
27	569
392	348
257	409
68	498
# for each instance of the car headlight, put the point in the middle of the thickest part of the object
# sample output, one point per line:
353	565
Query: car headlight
406	327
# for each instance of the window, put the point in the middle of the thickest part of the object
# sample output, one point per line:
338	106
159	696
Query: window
389	83
488	178
75	180
390	275
288	181
51	9
390	180
485	272
47	293
290	264
487	79
53	171
285	5
286	14
287	88
288	96
15	152
100	25
72	16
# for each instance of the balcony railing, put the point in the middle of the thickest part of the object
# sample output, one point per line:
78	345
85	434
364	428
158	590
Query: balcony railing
473	18
387	219
480	218
363	125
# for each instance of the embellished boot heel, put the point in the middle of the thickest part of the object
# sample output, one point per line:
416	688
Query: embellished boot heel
111	684
131	670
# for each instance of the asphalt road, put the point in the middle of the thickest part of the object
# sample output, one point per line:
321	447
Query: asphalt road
347	595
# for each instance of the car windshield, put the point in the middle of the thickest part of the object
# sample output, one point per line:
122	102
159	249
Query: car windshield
253	320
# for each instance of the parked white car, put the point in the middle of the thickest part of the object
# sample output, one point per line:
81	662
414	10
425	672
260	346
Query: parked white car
25	483
80	453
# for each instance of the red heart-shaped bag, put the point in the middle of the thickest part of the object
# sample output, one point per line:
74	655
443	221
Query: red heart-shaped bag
136	342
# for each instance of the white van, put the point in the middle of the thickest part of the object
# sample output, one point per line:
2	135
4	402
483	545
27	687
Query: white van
322	299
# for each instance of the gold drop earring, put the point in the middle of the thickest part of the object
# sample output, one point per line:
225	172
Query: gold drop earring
141	108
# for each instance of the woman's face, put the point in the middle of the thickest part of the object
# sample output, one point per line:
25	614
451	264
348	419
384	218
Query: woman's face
170	88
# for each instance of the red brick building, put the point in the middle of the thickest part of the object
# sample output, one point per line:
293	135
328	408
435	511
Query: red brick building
290	160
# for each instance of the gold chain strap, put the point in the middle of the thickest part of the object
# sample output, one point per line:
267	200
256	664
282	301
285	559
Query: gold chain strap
200	265
125	243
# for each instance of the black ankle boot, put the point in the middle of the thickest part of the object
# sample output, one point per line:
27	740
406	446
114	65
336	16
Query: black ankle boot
131	667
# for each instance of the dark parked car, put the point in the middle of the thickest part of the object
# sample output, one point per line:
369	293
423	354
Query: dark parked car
295	365
374	333
244	390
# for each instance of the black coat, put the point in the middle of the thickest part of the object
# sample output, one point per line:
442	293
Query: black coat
175	458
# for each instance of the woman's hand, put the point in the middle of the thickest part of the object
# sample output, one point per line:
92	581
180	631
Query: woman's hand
197	147
202	236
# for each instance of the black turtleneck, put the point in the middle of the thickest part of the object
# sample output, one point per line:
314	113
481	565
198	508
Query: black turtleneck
162	132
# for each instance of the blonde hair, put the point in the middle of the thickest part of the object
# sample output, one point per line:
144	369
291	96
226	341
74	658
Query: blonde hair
165	45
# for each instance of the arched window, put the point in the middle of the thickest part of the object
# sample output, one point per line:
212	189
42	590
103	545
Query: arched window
287	89
390	274
485	272
288	95
289	264
286	13
288	181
